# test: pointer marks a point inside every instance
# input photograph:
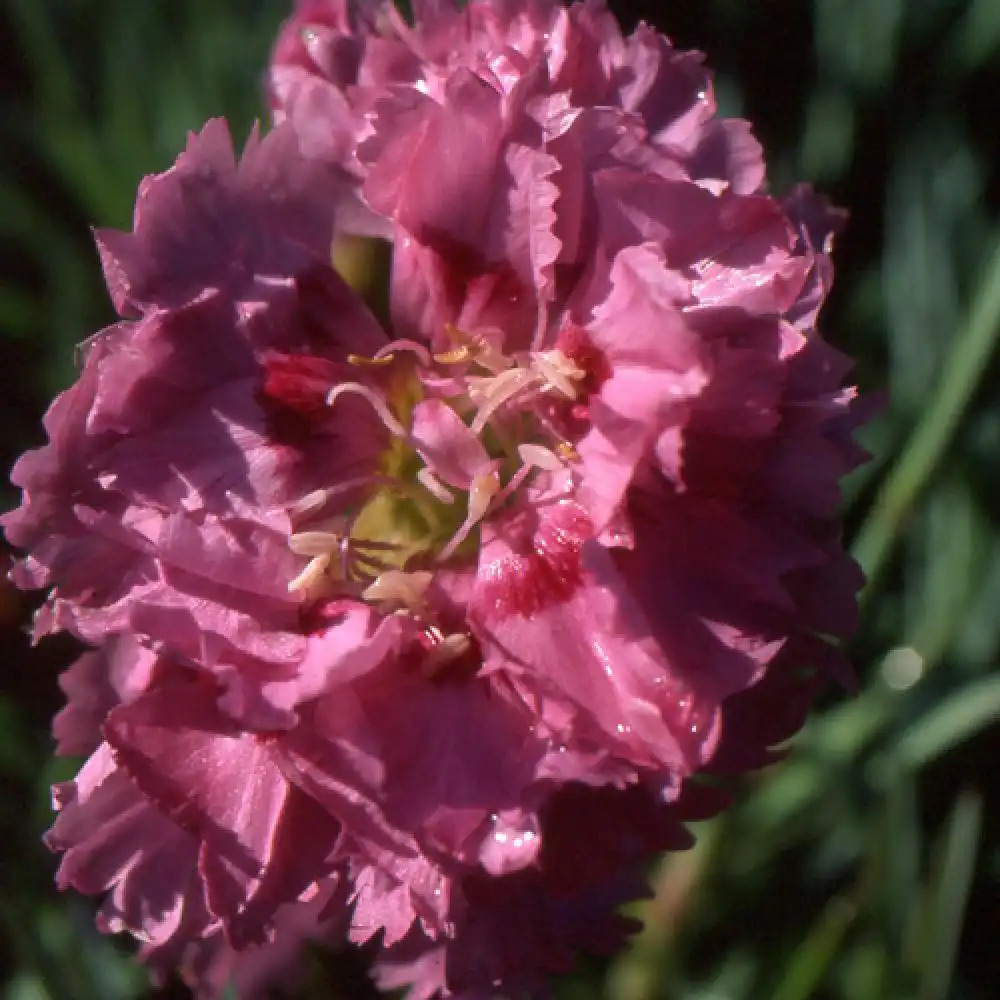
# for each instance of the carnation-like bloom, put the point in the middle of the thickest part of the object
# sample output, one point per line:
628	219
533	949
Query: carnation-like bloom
427	632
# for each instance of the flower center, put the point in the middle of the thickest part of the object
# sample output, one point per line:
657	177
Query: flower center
467	428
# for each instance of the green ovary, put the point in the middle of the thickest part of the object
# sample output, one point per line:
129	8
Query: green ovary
405	517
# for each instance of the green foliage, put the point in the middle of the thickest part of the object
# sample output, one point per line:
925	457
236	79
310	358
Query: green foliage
106	92
855	869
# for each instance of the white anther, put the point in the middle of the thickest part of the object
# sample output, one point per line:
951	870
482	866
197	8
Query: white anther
533	456
398	587
489	356
557	371
312	575
540	458
484	489
478	348
313	543
491	393
311	503
483	388
377	402
481	494
434	486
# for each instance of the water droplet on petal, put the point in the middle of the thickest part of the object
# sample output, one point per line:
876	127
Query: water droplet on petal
513	845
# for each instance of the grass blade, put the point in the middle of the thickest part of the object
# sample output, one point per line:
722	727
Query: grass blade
950	895
965	365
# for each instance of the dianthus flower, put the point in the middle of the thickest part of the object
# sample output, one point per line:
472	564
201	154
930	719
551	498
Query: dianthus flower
428	632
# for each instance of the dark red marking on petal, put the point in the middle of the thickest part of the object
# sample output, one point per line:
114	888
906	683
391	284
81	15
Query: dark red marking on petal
267	736
547	570
571	418
495	286
477	291
319	616
575	343
299	382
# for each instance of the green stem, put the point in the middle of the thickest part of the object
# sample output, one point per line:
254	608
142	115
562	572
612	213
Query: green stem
963	369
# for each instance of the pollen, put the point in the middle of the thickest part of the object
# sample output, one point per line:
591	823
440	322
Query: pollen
377	362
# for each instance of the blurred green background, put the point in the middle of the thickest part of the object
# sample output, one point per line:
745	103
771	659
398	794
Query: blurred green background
866	866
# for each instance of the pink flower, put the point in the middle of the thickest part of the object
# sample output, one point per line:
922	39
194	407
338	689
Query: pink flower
521	929
592	209
384	620
160	506
334	63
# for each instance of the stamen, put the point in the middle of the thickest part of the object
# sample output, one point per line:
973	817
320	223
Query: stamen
314	502
492	393
312	575
455	356
314	543
490	357
378	403
542	458
534	457
379	361
371	569
558	372
434	486
395	586
484	489
396	346
457	336
515	481
311	503
470	347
